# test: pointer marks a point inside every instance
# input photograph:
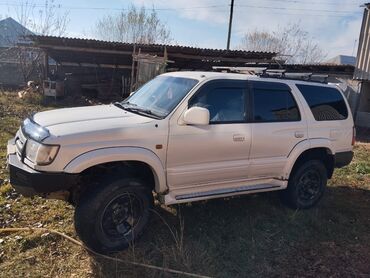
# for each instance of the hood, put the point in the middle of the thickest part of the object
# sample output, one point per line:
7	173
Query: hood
86	119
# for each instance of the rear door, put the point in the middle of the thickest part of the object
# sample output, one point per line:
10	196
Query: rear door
330	117
277	126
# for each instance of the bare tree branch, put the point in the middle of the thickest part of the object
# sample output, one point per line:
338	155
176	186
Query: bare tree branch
292	44
134	25
43	20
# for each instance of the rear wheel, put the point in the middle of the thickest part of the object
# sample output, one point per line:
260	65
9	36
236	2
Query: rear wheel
306	185
111	217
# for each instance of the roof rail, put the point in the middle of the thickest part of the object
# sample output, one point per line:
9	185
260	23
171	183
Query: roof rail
303	76
245	70
264	72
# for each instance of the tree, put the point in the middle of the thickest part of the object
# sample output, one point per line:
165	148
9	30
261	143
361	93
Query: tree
46	19
41	19
134	26
292	44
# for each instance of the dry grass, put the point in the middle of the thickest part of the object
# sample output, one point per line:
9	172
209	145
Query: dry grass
247	236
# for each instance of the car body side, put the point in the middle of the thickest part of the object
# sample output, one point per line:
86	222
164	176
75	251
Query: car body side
152	142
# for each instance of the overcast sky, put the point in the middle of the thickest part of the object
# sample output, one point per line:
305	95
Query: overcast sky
204	23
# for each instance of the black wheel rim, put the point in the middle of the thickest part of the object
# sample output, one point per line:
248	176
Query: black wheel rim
121	216
309	185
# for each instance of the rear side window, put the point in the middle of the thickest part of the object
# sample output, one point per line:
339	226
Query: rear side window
327	104
273	102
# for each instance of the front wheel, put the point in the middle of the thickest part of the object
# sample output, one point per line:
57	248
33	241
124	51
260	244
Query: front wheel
306	185
110	217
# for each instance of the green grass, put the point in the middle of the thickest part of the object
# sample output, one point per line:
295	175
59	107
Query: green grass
252	236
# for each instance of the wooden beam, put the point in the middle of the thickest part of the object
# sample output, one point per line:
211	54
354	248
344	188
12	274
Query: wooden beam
212	59
114	66
84	49
90	65
69	64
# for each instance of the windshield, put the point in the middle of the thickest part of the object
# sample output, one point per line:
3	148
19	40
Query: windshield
160	96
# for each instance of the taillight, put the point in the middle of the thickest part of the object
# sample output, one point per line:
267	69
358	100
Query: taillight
353	136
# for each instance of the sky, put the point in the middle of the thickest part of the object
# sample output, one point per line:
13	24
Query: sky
335	25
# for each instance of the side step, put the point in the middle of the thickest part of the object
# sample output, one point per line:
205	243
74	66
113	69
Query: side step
223	191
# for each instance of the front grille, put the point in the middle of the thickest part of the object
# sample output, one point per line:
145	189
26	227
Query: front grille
20	142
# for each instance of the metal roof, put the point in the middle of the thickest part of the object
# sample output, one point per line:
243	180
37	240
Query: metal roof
12	32
80	51
362	71
342	60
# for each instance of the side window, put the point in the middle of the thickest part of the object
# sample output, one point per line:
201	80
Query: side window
273	103
327	104
226	104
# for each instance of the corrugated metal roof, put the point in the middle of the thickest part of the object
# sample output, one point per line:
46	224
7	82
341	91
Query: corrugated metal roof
98	44
342	60
76	50
362	71
12	32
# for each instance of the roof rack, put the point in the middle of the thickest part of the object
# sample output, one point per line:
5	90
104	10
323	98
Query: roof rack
245	70
264	72
304	76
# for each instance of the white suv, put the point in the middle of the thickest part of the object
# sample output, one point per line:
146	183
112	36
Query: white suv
186	136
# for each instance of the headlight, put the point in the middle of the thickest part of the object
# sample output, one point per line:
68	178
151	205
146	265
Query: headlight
39	153
33	130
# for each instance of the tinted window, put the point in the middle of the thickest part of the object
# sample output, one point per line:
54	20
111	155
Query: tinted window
274	104
225	104
327	104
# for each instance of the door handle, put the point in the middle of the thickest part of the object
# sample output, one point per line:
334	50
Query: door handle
299	134
238	138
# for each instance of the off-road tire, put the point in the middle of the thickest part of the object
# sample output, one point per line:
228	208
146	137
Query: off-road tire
313	170
91	211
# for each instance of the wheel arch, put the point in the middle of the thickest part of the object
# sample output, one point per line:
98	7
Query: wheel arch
319	149
120	154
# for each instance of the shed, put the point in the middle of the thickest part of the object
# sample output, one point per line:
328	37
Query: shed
110	64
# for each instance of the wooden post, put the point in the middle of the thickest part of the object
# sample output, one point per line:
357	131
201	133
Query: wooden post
137	68
132	70
230	24
46	66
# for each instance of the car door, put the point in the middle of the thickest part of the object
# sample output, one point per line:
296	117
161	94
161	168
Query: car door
216	153
277	127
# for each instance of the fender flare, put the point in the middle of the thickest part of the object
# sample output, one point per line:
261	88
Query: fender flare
105	155
302	147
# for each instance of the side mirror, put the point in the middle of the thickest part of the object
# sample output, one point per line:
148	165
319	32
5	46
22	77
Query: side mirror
196	116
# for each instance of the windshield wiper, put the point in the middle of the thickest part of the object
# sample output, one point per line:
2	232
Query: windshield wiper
139	110
128	103
118	104
143	111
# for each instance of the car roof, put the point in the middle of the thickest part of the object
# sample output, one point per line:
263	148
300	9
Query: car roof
209	75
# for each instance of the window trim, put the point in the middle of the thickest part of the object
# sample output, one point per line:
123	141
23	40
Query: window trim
309	106
284	88
227	83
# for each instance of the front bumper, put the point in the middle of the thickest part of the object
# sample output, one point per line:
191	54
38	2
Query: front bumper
29	182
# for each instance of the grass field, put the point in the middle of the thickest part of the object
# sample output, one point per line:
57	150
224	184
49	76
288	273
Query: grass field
249	236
